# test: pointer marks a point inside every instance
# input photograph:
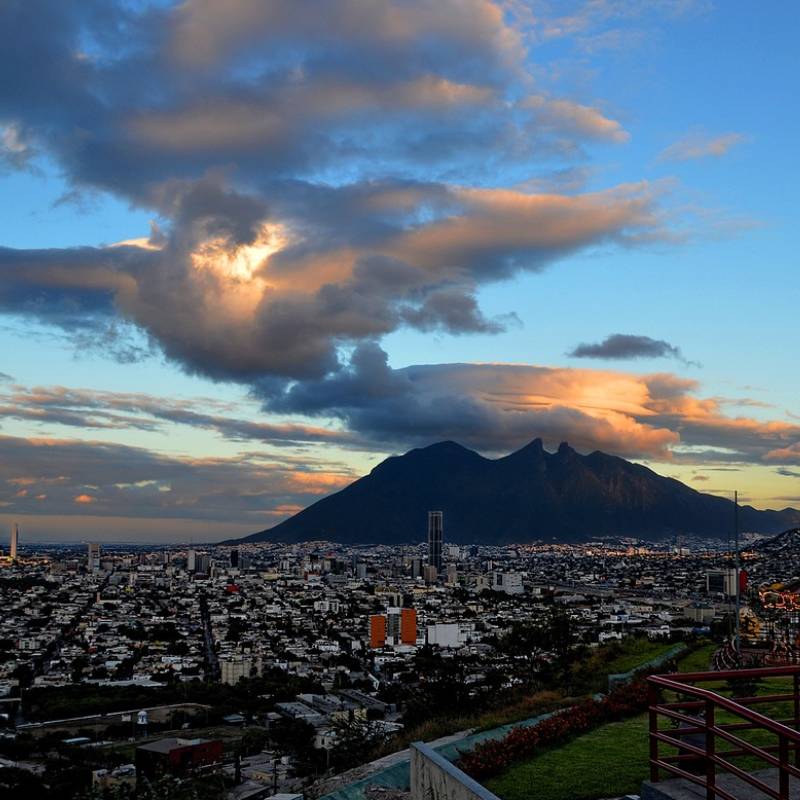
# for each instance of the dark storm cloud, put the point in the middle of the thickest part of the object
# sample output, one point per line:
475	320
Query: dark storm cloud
497	407
621	346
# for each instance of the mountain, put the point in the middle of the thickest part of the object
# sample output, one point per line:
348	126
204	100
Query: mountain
528	495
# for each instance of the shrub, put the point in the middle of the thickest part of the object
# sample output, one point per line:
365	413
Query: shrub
492	757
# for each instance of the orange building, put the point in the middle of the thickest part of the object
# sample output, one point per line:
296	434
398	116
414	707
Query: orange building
377	631
408	626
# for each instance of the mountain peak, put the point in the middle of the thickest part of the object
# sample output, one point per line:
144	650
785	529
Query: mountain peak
534	447
523	497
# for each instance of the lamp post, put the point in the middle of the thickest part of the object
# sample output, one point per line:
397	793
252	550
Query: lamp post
738	570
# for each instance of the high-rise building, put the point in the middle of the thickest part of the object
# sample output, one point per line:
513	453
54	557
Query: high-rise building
408	626
377	631
235	559
435	536
393	625
14	542
191	561
416	568
452	575
431	574
92	556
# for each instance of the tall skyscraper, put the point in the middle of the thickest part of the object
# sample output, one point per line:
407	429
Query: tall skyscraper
435	535
14	542
93	556
235	559
191	561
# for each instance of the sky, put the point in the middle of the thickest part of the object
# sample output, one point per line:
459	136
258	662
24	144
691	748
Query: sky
248	250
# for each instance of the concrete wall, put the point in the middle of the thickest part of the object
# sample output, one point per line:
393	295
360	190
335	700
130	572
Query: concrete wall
433	777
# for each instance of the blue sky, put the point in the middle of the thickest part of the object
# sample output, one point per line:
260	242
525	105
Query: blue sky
340	205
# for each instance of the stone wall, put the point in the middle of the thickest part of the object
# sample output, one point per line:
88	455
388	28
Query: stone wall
435	778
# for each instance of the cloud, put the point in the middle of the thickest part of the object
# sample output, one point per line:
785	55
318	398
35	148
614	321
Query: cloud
92	409
628	346
790	454
79	477
701	145
498	407
241	292
261	137
321	177
572	117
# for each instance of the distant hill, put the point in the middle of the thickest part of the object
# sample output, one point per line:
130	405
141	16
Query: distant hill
525	496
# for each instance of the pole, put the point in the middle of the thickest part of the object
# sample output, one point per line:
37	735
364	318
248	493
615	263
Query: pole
738	568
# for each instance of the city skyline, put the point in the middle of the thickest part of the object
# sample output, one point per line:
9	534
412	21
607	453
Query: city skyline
243	260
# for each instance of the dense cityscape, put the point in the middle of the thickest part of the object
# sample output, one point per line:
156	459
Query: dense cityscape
282	666
399	400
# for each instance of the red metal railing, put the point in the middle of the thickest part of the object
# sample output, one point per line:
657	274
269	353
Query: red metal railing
697	712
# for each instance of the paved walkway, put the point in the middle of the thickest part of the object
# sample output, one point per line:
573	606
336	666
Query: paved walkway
681	789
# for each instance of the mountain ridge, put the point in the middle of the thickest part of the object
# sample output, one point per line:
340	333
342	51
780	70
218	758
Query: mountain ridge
527	495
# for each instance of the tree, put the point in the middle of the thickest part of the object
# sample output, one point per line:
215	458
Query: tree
356	739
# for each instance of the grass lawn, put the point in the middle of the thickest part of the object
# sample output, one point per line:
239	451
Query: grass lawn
635	653
606	762
698	660
609	761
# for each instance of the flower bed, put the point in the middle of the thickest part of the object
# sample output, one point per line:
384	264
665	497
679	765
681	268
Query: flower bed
492	757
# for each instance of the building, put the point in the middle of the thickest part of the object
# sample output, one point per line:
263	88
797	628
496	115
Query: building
191	561
234	559
177	757
507	582
435	537
14	542
416	568
444	634
377	631
233	669
452	575
393	626
430	573
202	564
721	582
92	556
408	626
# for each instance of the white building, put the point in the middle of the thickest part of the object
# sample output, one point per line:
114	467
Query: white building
508	582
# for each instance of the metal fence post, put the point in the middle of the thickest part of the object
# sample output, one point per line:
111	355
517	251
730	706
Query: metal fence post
652	695
783	775
711	767
796	679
